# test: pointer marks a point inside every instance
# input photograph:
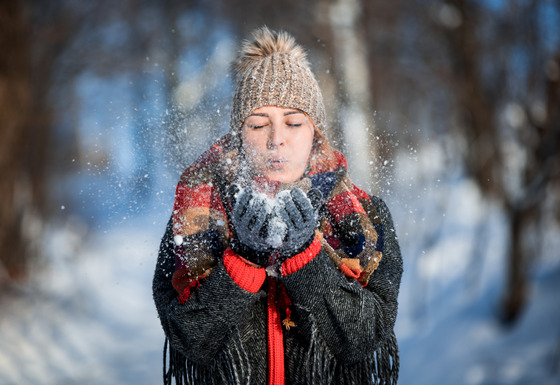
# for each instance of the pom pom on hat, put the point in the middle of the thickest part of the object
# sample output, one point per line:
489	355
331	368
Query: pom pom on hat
267	43
272	70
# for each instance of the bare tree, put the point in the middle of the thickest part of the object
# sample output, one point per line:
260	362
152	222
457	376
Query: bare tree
15	108
483	94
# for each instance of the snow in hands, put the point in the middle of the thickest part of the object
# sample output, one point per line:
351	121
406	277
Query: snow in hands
283	223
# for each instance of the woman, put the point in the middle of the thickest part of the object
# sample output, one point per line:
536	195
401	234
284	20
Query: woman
274	267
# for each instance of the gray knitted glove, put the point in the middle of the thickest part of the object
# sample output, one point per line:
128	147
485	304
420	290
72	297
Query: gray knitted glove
249	215
299	213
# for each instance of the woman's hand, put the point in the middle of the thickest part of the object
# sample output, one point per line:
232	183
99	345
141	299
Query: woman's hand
260	228
299	213
249	218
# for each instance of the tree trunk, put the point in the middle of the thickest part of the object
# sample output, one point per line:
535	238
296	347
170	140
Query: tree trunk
15	108
516	283
351	64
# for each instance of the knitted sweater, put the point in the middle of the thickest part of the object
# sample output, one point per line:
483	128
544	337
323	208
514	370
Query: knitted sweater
343	334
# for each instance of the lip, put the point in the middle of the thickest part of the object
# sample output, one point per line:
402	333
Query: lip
276	162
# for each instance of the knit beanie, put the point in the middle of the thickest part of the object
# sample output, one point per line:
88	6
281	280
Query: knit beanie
272	70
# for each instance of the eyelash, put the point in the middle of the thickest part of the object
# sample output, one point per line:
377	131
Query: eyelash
287	124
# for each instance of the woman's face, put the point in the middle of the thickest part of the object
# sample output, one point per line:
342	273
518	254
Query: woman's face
277	142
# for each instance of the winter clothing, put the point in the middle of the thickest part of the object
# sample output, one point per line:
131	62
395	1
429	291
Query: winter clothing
263	226
273	71
277	283
249	220
201	212
298	217
328	315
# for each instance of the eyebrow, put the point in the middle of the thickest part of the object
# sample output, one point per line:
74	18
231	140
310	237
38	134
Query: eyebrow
293	112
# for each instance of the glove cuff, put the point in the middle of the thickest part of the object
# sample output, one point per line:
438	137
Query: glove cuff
246	276
259	257
301	259
290	253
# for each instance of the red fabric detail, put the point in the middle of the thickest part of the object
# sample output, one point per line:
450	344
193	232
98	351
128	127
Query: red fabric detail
187	292
187	197
203	195
359	193
284	300
296	262
340	159
343	204
350	273
328	235
275	338
333	242
181	278
248	277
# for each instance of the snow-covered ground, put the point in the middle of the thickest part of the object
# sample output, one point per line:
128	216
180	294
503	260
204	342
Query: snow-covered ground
87	316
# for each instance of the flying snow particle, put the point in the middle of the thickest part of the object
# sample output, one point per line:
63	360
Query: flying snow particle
178	240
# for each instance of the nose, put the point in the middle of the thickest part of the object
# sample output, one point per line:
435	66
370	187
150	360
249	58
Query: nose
277	136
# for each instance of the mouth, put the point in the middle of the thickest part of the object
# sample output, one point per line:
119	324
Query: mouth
276	162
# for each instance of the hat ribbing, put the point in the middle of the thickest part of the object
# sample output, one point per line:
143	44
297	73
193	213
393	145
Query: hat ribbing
272	70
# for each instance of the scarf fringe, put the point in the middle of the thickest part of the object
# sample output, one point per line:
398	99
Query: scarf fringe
230	367
380	368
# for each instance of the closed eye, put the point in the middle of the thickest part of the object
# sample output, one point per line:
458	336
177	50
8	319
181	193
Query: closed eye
257	126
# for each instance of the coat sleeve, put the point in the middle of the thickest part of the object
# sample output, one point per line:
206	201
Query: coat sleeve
352	320
202	326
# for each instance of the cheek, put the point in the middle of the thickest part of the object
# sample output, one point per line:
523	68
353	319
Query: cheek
304	143
253	144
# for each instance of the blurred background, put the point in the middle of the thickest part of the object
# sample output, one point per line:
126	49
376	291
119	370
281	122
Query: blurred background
448	110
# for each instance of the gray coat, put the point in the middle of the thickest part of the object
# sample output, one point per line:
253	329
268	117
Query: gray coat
344	332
